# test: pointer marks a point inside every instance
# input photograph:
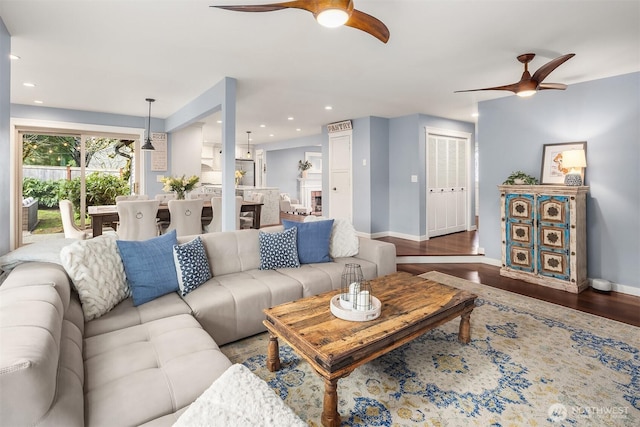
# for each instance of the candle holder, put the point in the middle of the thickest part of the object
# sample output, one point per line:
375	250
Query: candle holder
355	301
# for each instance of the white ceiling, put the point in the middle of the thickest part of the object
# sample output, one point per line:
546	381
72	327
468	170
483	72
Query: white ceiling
108	56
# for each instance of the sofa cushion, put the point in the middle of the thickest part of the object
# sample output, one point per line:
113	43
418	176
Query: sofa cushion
312	240
192	266
229	307
230	251
96	270
148	371
278	250
30	339
126	314
149	266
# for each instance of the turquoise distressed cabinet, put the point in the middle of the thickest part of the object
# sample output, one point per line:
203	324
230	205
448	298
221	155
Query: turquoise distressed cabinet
544	239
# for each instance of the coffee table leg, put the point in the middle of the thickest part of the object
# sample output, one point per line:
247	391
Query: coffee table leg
330	415
273	354
464	333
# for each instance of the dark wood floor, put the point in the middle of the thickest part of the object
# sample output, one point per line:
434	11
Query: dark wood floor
621	307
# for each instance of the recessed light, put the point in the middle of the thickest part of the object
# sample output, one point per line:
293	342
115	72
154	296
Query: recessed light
263	126
37	101
27	84
14	56
475	115
218	121
328	107
289	118
298	130
271	135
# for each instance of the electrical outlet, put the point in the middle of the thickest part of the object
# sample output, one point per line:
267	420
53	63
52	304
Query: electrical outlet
414	178
364	162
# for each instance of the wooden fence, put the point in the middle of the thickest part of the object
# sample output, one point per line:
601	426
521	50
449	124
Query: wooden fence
55	173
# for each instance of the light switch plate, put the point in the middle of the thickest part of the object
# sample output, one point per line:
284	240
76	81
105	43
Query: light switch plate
414	178
159	178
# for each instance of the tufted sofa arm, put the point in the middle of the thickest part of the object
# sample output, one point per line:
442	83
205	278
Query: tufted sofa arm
383	254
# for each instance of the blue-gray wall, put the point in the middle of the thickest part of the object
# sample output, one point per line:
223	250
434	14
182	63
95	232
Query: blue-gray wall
282	162
606	114
5	115
407	156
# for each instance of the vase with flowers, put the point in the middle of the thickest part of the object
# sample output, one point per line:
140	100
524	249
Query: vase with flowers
179	185
239	175
303	167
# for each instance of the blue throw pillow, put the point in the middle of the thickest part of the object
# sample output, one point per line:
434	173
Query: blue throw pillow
149	266
192	265
313	240
278	250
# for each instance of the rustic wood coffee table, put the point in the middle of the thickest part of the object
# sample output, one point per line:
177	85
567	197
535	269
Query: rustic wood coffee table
334	347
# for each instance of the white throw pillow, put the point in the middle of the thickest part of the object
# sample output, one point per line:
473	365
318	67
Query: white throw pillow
97	272
344	241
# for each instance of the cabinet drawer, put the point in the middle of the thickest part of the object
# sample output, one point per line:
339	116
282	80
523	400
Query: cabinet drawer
520	233
520	257
553	264
553	236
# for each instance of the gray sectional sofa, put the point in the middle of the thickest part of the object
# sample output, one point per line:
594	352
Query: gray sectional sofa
143	365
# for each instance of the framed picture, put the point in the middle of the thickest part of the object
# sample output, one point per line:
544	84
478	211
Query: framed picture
552	171
316	161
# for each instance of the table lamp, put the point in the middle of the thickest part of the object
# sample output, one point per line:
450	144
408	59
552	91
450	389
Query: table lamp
574	160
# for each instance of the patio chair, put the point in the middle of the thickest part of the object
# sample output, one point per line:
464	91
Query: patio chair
186	216
71	230
137	219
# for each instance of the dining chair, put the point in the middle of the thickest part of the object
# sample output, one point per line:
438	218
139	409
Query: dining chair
246	218
216	216
164	200
71	230
132	197
186	216
137	219
239	201
206	197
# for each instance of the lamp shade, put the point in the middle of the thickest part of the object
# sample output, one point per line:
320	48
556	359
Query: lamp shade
574	159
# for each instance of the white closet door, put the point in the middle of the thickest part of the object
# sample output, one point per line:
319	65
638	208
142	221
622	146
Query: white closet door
446	184
340	190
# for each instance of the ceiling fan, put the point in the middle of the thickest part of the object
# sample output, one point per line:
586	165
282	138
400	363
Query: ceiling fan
528	84
330	13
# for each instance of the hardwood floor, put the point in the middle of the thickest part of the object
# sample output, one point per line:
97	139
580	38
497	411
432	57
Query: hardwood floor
621	307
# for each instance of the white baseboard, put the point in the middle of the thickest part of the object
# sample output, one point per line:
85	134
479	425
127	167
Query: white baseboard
626	289
456	259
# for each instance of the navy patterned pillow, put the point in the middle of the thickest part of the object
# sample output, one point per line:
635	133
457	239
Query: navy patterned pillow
192	265
279	250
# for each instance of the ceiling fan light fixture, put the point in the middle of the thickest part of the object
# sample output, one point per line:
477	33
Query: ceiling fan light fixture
526	93
332	18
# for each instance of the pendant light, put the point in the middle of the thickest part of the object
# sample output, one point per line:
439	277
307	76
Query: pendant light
248	150
147	143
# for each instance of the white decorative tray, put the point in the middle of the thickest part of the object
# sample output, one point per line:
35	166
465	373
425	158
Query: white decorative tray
353	315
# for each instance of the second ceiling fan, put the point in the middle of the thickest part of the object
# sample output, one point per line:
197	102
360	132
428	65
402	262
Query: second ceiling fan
528	84
330	13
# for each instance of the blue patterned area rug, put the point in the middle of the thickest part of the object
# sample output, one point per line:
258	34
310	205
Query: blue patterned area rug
529	363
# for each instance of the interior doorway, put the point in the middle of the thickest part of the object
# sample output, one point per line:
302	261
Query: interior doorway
448	180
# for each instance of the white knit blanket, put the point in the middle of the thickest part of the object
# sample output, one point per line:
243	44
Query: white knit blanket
238	398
